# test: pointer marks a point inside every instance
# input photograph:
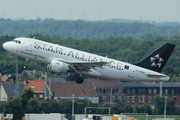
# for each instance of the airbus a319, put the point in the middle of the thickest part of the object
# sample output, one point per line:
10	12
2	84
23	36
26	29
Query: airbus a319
63	59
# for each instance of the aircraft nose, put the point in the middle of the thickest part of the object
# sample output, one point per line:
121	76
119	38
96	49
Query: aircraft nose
5	45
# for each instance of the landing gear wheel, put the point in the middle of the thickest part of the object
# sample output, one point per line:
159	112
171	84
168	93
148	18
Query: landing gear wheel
24	67
79	80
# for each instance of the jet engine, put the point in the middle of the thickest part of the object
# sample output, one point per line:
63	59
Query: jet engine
57	66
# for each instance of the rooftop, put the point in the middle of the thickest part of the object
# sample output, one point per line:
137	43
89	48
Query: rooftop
150	84
36	85
68	89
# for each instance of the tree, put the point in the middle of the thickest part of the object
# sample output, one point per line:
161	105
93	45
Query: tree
33	106
26	95
22	104
24	75
136	108
115	109
159	102
128	108
13	107
147	109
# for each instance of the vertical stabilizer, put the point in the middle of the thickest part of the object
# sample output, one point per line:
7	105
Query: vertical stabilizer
157	60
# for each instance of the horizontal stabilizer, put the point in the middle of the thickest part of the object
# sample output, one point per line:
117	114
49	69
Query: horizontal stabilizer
155	75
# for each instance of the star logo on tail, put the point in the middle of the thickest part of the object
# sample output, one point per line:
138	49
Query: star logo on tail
156	61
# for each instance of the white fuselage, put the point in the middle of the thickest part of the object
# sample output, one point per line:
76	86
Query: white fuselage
45	52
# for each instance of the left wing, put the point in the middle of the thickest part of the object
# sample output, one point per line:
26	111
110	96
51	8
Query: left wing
83	66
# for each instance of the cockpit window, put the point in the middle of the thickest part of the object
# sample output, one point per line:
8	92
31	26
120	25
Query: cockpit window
16	41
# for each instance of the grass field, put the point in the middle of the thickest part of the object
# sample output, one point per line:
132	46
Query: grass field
150	117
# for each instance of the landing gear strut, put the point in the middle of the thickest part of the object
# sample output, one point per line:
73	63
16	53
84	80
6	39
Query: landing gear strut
79	79
24	66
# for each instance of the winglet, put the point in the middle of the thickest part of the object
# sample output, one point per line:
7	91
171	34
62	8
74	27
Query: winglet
157	60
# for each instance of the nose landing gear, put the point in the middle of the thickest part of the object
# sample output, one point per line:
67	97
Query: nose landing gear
24	66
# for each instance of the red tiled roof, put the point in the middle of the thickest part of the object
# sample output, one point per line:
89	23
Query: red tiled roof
68	89
39	85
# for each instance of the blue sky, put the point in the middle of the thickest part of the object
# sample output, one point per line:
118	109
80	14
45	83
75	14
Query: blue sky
153	10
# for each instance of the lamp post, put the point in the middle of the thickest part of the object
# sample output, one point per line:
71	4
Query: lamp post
160	88
73	106
165	107
17	76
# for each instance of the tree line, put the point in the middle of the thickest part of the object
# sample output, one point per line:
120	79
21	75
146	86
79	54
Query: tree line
26	103
87	29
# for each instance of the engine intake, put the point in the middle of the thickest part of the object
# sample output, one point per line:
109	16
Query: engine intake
57	66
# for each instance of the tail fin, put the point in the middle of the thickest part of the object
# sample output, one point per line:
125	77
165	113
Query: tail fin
157	60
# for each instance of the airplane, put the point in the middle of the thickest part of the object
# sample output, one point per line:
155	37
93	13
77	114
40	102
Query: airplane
64	59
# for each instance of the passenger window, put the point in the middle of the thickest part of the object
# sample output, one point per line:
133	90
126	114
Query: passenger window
126	67
19	42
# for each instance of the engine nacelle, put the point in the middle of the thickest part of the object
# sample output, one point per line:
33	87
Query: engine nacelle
57	66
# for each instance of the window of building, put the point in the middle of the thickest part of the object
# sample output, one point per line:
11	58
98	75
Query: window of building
128	91
139	100
133	91
128	99
140	91
97	90
116	98
143	99
107	97
100	90
121	98
143	91
113	90
104	90
166	91
100	97
34	95
117	89
33	86
150	91
172	91
150	99
155	91
133	99
41	96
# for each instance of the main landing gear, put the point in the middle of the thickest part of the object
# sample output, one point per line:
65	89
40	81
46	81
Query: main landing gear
24	66
79	79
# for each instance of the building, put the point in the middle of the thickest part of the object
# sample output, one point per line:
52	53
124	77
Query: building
37	86
144	92
4	77
80	91
9	90
112	91
109	91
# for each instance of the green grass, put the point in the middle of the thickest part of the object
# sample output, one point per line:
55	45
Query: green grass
150	117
